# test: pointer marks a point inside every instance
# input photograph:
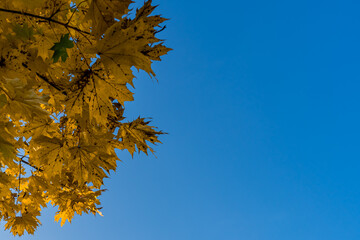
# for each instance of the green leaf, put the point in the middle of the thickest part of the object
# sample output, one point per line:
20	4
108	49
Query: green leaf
59	48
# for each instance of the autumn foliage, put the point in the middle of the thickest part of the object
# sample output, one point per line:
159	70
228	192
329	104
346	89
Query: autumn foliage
65	71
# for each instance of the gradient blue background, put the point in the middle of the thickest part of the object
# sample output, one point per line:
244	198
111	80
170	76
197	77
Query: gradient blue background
261	103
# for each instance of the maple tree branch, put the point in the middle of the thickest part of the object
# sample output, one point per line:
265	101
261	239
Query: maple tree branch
27	163
45	79
54	13
57	10
21	160
68	22
49	19
75	41
77	8
20	176
51	83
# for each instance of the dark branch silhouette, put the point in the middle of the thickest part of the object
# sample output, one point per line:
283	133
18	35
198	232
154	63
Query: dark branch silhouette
49	19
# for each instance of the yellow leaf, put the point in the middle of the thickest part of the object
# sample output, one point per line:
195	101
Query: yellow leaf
102	13
25	4
136	133
27	222
61	122
22	101
42	45
127	43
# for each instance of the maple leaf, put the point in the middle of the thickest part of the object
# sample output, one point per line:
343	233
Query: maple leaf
22	102
127	43
27	222
25	4
42	45
136	133
61	121
49	154
59	48
7	144
44	127
24	32
7	149
103	13
8	206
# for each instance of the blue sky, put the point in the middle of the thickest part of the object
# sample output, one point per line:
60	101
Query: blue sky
261	103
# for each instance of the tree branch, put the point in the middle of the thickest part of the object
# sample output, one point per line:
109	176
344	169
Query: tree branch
49	19
51	83
23	161
77	46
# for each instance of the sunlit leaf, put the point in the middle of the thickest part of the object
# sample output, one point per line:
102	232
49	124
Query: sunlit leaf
61	121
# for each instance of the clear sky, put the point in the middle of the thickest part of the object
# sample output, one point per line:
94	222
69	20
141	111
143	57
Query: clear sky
261	103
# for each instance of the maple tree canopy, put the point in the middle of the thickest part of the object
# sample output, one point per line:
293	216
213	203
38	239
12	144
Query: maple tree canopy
65	68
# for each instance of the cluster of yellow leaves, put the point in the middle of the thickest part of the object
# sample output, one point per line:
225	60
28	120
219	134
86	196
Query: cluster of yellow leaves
65	69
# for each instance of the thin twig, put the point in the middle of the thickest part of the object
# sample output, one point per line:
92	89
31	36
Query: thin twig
21	160
55	12
68	22
51	83
76	6
27	163
75	41
43	18
20	176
